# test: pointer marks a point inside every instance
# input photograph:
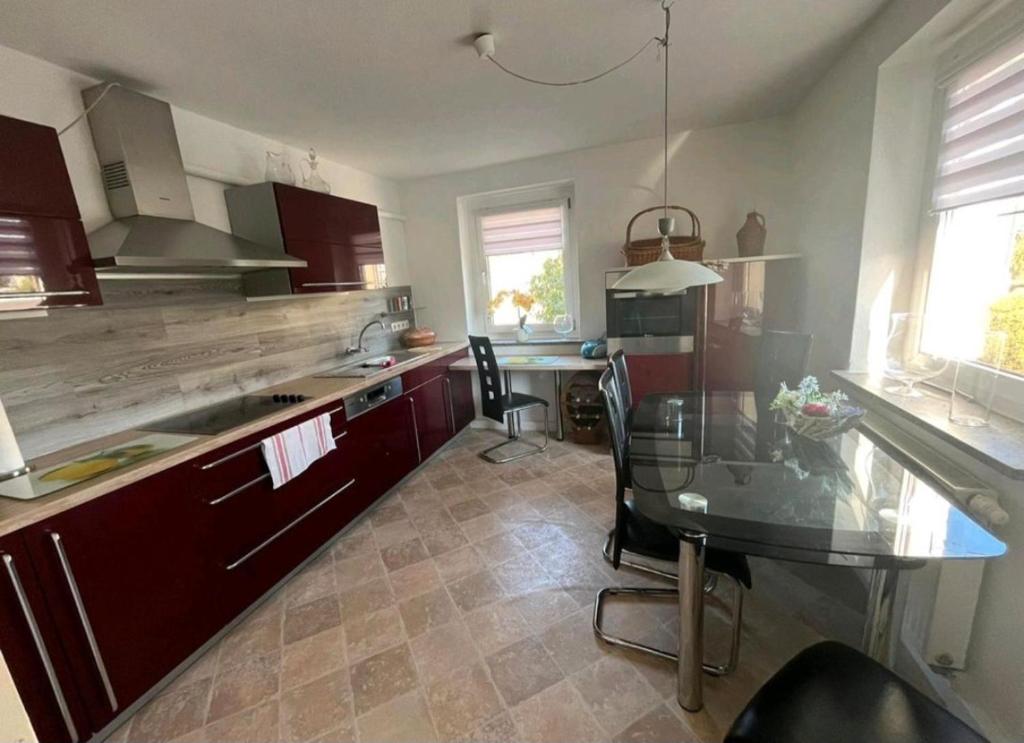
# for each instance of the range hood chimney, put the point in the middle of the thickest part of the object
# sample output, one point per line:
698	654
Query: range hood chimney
154	227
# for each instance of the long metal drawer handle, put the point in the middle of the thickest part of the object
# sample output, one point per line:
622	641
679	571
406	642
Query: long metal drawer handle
341	435
415	430
276	535
34	295
37	638
230	456
238	490
451	406
83	617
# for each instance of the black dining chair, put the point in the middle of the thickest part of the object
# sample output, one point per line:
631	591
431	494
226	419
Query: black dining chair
617	362
635	534
831	692
498	404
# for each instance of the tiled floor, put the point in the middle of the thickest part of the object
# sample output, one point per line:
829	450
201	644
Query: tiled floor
460	608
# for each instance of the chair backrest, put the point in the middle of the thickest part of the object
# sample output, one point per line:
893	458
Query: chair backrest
783	358
489	375
619	435
618	365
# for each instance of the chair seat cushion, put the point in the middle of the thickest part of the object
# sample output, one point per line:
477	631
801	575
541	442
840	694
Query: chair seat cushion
651	539
831	692
518	401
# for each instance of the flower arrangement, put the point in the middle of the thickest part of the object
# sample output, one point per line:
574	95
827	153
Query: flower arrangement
522	301
815	414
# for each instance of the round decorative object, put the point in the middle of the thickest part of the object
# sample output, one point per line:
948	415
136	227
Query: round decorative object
819	428
751	236
417	337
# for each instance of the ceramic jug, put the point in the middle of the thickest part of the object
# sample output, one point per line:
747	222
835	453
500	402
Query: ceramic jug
751	235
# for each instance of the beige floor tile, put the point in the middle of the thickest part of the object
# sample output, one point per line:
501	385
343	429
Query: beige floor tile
310	584
257	635
382	677
445	480
404	719
317	707
259	724
572	642
244	685
403	554
313	657
614	692
373	633
657	726
386	512
442	651
533	535
476	590
427	611
310	618
172	715
458	564
462	701
523	669
352	571
556	715
500	548
468	509
542	608
496	626
500	729
482	527
356	542
415	580
441	541
522	574
394	533
371	596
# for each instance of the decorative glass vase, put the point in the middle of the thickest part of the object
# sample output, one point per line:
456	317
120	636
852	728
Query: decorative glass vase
279	169
975	381
524	331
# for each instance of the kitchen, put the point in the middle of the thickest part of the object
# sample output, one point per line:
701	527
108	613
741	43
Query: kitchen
205	341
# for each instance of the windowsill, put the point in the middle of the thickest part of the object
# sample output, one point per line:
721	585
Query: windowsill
999	445
537	342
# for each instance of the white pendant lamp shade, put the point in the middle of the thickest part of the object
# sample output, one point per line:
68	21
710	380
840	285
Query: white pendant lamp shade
670	275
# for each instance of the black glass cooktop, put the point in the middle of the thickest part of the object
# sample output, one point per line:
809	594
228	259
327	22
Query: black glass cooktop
223	416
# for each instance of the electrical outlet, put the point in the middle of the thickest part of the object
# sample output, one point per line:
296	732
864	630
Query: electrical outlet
399	325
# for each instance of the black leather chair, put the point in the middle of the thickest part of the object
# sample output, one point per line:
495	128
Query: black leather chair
831	692
617	362
635	534
497	404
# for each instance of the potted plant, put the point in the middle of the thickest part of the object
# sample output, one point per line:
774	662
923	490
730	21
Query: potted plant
815	414
523	302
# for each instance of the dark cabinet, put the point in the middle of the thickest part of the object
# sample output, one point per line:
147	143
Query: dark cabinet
432	419
130	585
463	403
651	373
384	447
44	257
338	238
32	649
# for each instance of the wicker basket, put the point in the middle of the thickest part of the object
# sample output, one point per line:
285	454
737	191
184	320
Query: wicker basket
685	247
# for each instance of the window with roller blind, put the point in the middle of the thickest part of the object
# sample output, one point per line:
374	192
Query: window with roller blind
976	279
523	247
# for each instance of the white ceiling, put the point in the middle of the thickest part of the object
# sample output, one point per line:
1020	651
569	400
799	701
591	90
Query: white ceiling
394	87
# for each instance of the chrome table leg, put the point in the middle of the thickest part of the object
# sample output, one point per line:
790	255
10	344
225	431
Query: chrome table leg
878	620
510	420
560	431
689	691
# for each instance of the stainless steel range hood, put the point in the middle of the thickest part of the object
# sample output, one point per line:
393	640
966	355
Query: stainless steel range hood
154	227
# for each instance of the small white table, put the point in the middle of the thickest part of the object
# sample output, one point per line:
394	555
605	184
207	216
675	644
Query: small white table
539	363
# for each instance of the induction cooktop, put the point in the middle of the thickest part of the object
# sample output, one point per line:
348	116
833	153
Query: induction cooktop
223	416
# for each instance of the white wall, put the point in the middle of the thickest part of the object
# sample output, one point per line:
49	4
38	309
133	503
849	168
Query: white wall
216	155
720	173
832	141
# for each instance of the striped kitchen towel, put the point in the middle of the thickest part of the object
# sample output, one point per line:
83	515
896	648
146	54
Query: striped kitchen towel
290	453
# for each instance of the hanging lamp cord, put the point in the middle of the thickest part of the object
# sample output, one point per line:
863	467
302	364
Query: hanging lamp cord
667	7
654	40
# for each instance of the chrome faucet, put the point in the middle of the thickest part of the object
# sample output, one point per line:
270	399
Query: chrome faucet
359	347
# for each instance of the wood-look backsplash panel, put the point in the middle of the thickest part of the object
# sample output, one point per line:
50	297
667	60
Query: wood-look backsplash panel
158	348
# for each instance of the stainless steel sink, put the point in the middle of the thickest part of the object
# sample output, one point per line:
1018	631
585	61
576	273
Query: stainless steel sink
367	367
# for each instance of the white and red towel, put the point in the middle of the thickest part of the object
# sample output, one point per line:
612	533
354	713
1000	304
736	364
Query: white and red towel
290	453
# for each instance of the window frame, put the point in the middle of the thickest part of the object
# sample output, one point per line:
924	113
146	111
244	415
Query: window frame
472	209
973	44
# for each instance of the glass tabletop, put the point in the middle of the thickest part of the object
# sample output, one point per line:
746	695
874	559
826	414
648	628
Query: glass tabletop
721	465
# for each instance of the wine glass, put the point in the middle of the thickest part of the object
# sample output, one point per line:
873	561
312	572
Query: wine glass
564	325
904	361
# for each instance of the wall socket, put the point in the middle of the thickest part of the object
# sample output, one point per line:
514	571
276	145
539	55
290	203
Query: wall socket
399	325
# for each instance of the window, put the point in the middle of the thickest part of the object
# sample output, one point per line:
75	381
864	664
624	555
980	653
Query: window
523	258
976	281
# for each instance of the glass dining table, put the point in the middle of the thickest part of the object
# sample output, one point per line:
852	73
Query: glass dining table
721	472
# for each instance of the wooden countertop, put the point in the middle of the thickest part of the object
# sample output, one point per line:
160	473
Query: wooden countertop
17	514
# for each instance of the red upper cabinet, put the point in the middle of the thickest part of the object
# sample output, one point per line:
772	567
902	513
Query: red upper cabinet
44	256
338	238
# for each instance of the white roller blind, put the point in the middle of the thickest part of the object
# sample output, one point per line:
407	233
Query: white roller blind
982	153
522	231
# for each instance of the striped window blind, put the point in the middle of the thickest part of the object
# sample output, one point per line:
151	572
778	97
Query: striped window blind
523	231
981	156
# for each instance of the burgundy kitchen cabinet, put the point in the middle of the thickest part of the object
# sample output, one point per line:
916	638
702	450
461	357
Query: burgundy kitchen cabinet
338	238
651	373
384	447
130	587
44	257
463	403
32	649
432	419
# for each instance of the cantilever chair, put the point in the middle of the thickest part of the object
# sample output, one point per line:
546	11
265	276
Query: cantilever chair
617	362
635	534
504	406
